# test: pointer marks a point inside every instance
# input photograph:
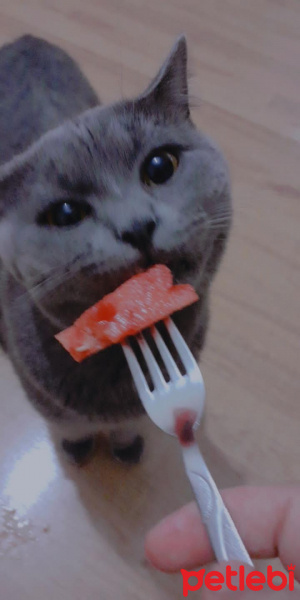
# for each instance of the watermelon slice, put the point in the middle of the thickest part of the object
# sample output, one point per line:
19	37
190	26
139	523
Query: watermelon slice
138	303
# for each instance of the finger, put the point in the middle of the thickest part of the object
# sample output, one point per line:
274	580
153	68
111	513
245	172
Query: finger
267	518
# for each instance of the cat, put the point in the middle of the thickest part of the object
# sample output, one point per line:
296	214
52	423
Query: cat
89	196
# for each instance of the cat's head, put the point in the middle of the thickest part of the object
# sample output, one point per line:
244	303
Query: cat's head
117	189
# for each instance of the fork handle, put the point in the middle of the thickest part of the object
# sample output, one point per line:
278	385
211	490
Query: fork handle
223	535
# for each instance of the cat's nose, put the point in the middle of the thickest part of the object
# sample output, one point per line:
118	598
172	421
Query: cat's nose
140	234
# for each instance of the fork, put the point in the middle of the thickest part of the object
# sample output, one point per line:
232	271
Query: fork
176	407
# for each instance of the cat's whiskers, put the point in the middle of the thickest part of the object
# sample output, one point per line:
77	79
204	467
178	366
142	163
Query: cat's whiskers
40	286
221	219
50	282
55	280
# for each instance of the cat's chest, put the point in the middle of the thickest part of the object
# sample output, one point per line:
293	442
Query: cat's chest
101	386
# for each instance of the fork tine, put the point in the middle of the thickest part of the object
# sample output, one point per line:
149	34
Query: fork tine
137	373
157	377
167	357
181	347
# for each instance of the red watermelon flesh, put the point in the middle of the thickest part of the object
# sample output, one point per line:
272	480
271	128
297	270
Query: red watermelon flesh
138	303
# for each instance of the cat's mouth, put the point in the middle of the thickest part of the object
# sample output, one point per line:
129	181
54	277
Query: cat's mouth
68	301
182	267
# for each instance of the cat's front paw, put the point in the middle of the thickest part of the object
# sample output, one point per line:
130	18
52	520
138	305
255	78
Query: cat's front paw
80	451
129	453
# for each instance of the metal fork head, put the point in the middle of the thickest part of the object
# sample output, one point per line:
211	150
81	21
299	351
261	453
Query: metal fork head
183	392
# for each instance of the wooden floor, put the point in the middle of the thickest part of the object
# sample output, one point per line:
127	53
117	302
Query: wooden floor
78	534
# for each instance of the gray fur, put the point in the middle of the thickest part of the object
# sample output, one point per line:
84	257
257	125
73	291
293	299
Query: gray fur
49	276
40	87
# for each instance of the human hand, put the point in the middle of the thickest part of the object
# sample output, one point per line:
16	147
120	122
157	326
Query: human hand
267	518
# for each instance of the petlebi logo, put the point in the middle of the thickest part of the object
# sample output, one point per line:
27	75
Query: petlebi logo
238	580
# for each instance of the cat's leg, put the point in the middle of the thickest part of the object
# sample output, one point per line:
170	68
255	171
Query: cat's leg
77	442
78	451
126	439
126	445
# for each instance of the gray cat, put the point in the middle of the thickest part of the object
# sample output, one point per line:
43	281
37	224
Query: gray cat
89	196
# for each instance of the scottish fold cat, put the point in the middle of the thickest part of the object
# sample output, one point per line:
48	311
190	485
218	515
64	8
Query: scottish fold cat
89	196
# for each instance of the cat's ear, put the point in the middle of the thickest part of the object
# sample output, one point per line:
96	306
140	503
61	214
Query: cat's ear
168	92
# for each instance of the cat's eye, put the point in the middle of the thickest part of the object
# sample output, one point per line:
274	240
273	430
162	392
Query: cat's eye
159	167
64	214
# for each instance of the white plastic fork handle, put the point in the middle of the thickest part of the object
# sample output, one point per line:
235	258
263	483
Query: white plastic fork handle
223	535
